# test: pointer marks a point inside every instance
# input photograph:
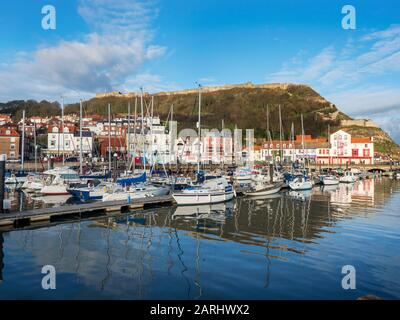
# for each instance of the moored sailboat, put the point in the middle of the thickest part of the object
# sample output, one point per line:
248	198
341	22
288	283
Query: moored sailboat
58	180
348	177
211	191
329	180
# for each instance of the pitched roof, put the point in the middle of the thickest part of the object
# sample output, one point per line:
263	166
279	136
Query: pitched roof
8	132
361	140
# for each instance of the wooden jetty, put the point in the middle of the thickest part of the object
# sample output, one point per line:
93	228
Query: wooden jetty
23	218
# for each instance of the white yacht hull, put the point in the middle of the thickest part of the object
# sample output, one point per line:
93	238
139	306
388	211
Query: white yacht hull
330	182
264	191
132	195
202	198
10	180
32	186
54	190
347	179
243	178
298	186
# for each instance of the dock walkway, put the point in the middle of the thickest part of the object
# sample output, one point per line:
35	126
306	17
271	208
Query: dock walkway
40	215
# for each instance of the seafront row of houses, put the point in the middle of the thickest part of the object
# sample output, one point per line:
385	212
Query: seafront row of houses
162	144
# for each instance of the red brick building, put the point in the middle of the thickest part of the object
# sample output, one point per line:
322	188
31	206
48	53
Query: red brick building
118	145
9	142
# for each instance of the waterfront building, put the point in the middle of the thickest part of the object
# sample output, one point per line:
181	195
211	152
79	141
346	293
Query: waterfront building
298	150
69	142
345	149
215	148
5	119
9	142
341	149
114	144
39	121
154	143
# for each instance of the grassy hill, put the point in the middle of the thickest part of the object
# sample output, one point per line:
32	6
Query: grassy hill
32	108
242	105
246	106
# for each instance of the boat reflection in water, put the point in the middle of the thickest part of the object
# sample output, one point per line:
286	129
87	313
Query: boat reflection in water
275	247
217	211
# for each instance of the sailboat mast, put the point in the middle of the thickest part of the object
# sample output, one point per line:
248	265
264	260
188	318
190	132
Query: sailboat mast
223	142
143	136
302	141
170	134
268	142
62	130
280	135
129	134
34	142
199	132
134	134
292	141
23	141
109	138
80	138
151	132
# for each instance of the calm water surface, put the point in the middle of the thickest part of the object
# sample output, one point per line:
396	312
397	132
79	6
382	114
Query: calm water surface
290	246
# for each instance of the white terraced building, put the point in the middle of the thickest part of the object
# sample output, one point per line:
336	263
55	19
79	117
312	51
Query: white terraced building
69	142
345	149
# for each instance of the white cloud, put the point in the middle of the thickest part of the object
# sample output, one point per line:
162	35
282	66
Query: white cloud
315	68
374	54
117	46
361	78
368	100
207	80
150	83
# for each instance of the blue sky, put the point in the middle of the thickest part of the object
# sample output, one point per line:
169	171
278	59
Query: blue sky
102	45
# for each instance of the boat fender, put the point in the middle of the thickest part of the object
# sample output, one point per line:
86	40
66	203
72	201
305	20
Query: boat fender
234	192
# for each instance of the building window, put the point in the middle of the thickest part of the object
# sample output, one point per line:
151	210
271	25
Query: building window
52	143
12	146
8	132
366	152
12	139
354	153
12	154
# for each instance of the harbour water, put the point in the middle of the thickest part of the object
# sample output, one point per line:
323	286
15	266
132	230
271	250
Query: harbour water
286	246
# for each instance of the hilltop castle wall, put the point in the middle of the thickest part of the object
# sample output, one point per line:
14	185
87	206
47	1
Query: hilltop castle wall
204	89
359	122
